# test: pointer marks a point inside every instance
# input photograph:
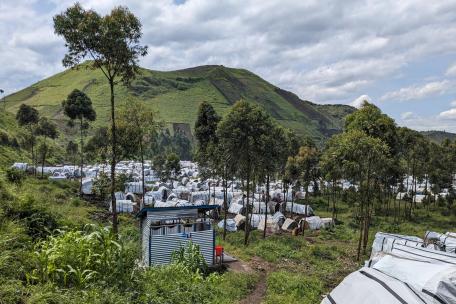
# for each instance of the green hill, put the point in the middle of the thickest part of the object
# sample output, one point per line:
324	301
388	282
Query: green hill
10	141
439	136
177	94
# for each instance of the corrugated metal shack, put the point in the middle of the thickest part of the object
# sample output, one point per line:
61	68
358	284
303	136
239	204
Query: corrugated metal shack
166	229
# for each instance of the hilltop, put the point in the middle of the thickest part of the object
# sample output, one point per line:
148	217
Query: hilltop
439	136
177	94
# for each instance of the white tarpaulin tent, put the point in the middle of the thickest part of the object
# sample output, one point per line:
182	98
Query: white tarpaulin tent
126	206
230	225
383	242
436	280
300	209
235	208
370	286
446	242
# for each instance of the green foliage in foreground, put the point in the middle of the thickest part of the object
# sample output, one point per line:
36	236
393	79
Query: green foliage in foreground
191	258
73	262
82	258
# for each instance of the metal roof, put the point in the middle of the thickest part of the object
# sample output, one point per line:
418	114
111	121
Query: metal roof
144	210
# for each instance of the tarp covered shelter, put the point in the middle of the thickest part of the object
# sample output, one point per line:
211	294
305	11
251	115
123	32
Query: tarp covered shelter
370	286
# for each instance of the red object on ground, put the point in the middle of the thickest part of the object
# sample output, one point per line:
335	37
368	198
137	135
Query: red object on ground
218	250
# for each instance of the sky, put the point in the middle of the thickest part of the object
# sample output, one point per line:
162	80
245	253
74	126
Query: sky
399	55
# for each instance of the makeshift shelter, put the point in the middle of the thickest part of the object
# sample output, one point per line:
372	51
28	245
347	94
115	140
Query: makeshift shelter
87	184
299	209
289	224
236	208
166	229
123	206
230	225
239	220
434	280
371	286
446	242
383	242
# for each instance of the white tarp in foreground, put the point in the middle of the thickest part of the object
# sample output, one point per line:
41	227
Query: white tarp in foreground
371	286
402	269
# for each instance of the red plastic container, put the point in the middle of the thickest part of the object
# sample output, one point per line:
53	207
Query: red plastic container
218	250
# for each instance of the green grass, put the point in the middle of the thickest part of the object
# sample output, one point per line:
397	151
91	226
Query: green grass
175	95
304	269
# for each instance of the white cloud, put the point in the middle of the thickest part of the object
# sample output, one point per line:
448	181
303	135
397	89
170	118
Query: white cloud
340	49
453	103
425	123
449	114
451	71
408	116
418	92
360	100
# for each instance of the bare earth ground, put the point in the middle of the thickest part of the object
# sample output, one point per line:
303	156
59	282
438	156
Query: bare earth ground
259	266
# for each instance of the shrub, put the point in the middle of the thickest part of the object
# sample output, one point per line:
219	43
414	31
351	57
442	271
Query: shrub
15	176
82	258
176	283
191	258
39	222
11	291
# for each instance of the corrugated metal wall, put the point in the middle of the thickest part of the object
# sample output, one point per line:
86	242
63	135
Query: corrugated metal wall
158	244
162	246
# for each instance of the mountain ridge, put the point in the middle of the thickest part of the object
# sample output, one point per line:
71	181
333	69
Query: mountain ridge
177	94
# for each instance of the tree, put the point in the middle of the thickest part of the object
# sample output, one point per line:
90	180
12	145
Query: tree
72	151
206	137
137	128
370	120
112	43
360	159
28	117
78	106
97	147
242	133
46	129
172	166
292	174
274	148
167	166
307	167
307	161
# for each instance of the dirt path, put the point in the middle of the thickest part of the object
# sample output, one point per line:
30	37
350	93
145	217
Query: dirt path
258	294
260	267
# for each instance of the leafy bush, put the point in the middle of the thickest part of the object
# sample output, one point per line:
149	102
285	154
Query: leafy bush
191	258
176	283
38	221
14	175
82	258
11	291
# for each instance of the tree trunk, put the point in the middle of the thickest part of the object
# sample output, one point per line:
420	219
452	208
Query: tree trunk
82	159
209	192
113	160
361	228
292	202
43	160
142	170
247	222
267	206
334	215
225	203
32	140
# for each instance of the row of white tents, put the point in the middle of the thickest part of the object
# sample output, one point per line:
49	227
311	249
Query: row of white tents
403	269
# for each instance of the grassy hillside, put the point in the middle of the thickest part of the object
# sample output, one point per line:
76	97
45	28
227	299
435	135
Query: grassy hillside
439	136
10	139
177	94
